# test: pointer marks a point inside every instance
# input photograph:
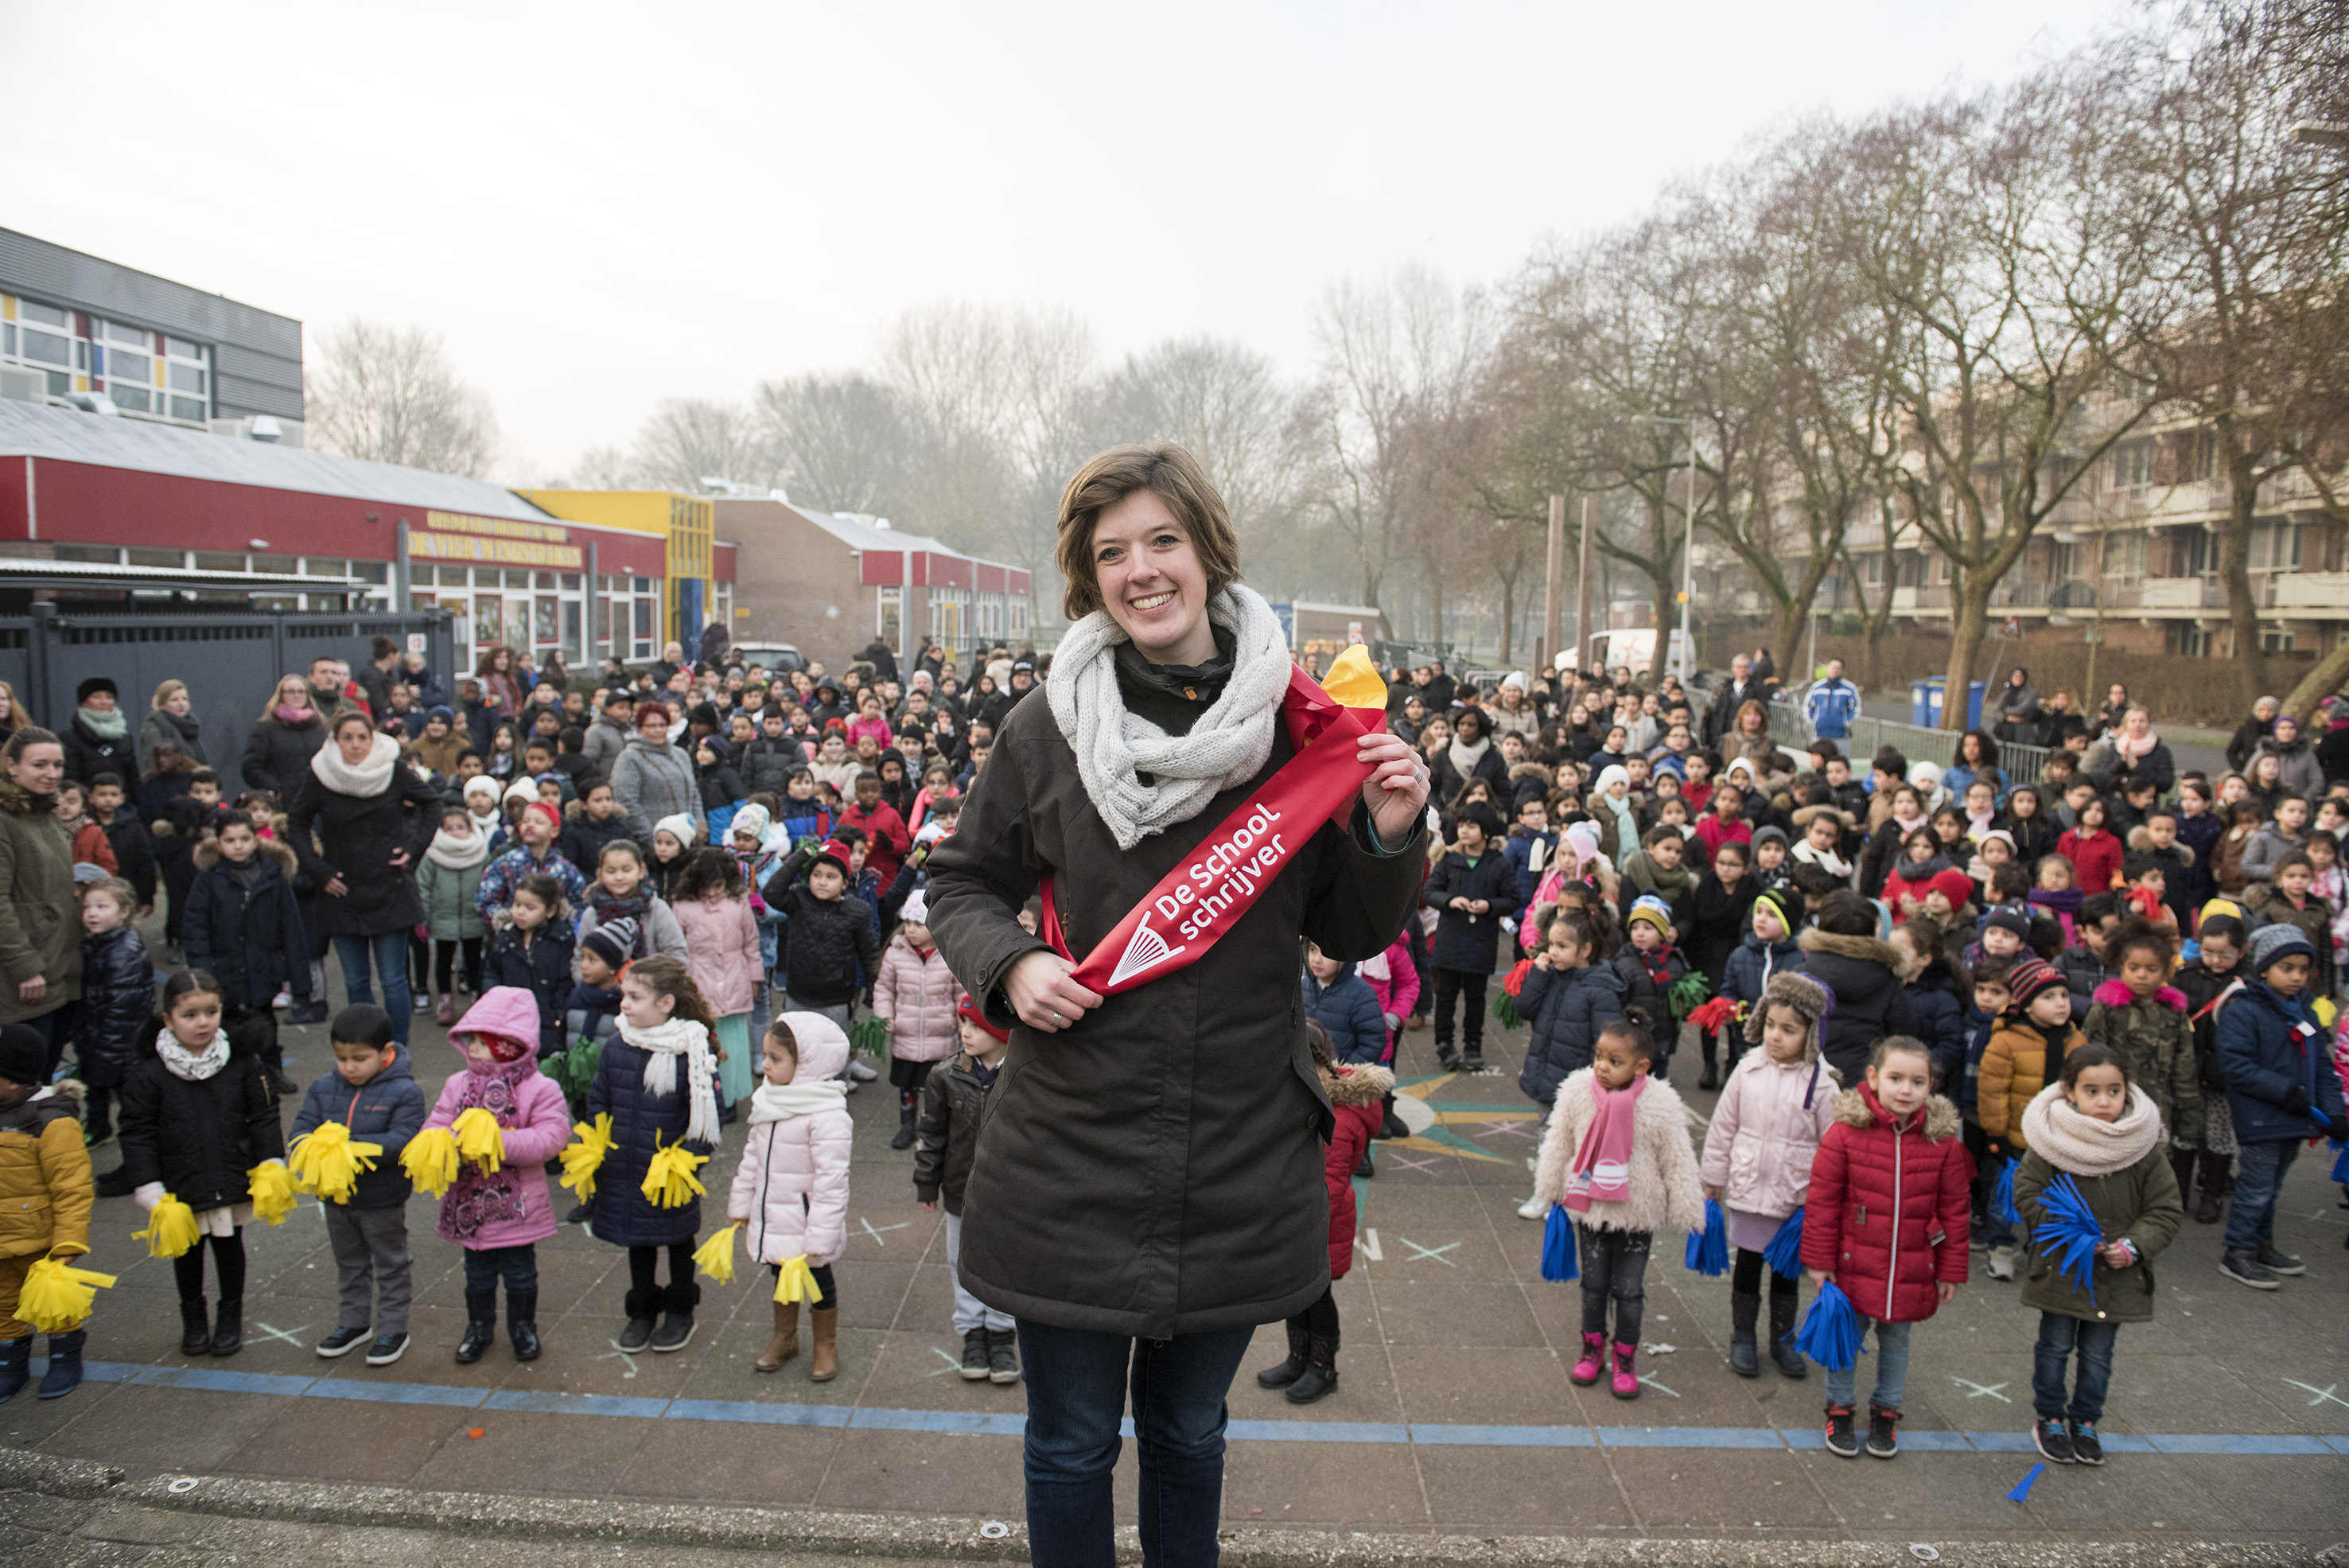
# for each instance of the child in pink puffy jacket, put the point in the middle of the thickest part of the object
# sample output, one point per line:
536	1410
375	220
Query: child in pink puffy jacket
916	994
500	1217
790	1192
1394	979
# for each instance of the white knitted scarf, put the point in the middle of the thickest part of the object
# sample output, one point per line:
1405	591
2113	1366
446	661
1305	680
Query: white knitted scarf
1225	747
457	854
781	1102
2069	1140
186	1064
664	1043
369	779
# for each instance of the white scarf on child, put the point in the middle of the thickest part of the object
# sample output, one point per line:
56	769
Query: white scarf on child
781	1102
664	1043
185	1065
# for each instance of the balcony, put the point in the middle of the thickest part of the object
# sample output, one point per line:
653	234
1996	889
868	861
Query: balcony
2180	593
2326	592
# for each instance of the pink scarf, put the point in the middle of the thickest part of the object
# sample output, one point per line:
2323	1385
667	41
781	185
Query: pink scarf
1602	1166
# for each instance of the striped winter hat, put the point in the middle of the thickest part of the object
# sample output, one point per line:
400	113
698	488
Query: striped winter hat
2029	977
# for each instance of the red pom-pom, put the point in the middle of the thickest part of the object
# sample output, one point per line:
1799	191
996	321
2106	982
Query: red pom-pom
1515	984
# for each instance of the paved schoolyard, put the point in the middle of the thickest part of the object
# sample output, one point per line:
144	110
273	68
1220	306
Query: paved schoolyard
2228	1417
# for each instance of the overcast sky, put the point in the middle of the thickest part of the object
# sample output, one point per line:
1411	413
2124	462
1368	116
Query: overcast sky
601	205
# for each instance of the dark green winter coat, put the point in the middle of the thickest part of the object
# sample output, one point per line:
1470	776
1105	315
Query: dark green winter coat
2137	1201
2156	1038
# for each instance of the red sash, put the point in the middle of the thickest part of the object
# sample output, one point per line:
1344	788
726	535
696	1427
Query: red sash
1201	899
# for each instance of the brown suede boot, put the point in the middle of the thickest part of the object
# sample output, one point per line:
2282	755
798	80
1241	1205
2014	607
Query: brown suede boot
786	1342
824	1365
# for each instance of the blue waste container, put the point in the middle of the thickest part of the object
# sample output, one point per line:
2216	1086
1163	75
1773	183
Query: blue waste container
1925	702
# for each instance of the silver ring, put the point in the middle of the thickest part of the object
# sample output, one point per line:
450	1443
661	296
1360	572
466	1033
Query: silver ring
1056	1020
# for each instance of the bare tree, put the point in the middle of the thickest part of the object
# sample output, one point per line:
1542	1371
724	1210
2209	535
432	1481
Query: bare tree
388	394
840	442
688	440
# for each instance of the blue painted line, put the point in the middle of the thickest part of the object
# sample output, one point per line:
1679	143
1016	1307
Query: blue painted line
979	1423
757	1413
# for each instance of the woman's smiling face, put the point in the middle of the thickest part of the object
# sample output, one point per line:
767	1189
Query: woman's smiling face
1151	581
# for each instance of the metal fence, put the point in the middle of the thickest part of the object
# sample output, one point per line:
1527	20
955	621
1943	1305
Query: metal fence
231	662
1792	729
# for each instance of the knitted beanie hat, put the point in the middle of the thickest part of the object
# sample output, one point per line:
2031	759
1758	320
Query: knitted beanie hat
2272	944
24	1054
613	942
1774	899
969	1010
1654	911
2028	978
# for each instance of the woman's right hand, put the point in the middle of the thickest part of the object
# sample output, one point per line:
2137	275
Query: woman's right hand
336	887
1042	994
31	990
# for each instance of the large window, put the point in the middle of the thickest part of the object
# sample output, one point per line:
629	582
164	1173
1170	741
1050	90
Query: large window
144	373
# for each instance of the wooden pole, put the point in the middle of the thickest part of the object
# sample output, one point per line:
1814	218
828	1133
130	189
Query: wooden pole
1553	586
1583	628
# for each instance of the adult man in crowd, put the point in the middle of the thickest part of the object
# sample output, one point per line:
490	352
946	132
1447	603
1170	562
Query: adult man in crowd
1833	704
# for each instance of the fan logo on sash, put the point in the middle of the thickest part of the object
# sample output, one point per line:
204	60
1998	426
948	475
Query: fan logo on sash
1147	950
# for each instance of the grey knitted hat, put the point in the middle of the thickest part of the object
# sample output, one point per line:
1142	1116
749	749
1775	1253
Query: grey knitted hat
2272	944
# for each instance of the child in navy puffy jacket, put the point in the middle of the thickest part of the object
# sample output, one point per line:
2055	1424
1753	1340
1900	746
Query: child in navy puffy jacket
1344	1003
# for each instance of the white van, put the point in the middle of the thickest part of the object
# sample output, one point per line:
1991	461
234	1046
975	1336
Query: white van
1632	646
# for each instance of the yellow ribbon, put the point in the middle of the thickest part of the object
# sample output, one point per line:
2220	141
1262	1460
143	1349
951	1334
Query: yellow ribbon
1354	682
270	1188
56	1298
670	1181
582	1160
795	1281
431	1160
170	1229
327	1161
715	1257
479	1139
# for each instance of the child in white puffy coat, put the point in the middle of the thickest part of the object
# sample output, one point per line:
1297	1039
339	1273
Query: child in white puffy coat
790	1192
916	994
1778	1102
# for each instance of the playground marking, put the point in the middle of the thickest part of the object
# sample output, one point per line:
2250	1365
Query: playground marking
285	1335
2322	1394
1367	1238
876	1234
1432	1253
1981	1390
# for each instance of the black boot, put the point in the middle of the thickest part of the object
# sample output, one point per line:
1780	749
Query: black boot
273	1066
2181	1165
1710	1078
16	1366
480	1325
1390	1124
115	1183
676	1331
1366	1168
64	1374
1282	1374
904	1138
1320	1374
521	1322
1781	1336
195	1329
228	1328
1744	1310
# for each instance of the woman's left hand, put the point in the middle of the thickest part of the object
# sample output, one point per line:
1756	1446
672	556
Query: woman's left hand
1396	790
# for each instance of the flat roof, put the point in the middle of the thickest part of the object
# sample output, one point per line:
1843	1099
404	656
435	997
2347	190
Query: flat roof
29	571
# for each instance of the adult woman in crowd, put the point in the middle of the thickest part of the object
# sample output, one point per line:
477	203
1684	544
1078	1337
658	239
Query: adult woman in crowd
2116	709
2018	709
98	740
1471	755
2133	749
172	718
12	714
1977	762
2297	772
1749	732
2333	746
2251	731
279	746
40	915
1140	1232
502	683
652	778
371	819
1513	712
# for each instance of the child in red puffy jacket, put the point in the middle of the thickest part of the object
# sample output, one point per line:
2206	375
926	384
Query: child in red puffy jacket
1886	1221
1355	1091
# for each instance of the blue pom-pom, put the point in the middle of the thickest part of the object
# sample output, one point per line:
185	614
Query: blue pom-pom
1830	1331
1784	1253
1558	1247
1708	1250
2341	1161
2070	1233
2001	1200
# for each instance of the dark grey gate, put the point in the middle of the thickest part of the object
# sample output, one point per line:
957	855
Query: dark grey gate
231	662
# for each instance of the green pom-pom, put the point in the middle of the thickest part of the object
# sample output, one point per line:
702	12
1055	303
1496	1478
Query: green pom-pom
1505	1009
869	1037
1690	992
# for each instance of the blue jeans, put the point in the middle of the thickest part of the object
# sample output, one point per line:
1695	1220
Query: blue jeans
518	1266
2058	1337
2259	1177
390	953
1891	1366
1077	1381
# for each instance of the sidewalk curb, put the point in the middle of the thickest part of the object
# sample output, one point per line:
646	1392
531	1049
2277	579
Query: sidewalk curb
732	1528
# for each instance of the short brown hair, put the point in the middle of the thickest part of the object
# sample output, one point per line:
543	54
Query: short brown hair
1168	472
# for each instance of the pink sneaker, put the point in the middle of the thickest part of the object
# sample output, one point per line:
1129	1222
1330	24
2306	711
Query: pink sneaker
1594	1356
1626	1381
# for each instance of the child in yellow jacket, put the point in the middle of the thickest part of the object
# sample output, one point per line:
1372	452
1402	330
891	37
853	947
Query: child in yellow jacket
44	1203
2025	1053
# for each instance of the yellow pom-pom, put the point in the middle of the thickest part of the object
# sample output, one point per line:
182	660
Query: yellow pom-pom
170	1229
715	1257
56	1298
431	1160
1354	682
582	1160
327	1162
670	1181
479	1139
270	1188
795	1281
